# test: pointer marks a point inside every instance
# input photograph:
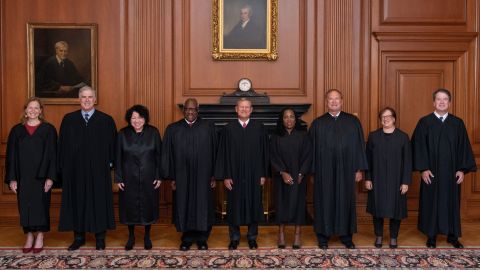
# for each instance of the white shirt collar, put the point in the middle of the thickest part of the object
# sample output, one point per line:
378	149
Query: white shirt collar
190	123
245	23
438	115
241	122
338	114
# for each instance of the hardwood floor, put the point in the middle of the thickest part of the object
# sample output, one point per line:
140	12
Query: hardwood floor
166	237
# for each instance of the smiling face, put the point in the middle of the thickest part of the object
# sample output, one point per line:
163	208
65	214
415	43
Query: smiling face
137	122
334	102
87	100
441	103
190	110
33	110
289	120
388	120
244	109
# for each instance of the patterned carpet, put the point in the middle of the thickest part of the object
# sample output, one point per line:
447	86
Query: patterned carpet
243	258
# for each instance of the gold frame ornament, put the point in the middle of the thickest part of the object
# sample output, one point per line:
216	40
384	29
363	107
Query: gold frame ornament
268	51
56	76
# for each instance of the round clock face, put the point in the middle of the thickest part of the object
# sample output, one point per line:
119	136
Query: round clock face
244	85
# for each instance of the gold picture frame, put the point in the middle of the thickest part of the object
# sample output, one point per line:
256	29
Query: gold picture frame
61	59
245	30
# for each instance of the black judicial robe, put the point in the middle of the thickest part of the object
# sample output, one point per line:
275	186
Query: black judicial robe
444	149
338	152
30	160
137	165
188	158
291	153
243	157
85	154
390	166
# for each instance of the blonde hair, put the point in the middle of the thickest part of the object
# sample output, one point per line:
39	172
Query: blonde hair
41	116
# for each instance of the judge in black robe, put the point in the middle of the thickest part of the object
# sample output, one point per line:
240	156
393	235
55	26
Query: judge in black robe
338	159
137	173
291	158
242	162
188	159
30	169
389	158
442	152
85	156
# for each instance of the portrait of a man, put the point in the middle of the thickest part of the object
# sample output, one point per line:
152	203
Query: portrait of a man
249	25
64	60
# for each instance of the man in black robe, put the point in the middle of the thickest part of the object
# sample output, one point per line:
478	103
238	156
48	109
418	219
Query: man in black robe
443	154
85	156
188	159
243	164
338	161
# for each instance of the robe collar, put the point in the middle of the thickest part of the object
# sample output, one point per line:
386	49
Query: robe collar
438	116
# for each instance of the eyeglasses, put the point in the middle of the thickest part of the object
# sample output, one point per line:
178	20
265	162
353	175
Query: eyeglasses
386	116
190	109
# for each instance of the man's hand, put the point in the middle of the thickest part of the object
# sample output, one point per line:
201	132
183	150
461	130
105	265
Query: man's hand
358	176
459	175
13	186
287	178
228	183
403	189
368	185
157	183
121	186
174	186
48	185
262	181
65	88
427	177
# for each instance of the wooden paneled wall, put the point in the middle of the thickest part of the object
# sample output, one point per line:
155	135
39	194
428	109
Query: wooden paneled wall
158	53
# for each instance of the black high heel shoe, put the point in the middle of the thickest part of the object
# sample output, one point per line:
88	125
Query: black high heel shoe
393	243
130	243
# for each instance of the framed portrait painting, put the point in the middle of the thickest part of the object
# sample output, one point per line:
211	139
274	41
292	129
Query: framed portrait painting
244	29
62	58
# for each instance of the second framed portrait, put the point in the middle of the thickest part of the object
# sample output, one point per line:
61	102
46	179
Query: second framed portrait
245	29
62	58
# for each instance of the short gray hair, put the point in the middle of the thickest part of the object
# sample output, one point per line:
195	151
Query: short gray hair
85	88
61	43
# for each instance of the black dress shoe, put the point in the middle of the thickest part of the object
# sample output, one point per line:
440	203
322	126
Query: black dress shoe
323	245
378	242
252	244
233	245
393	243
147	243
185	246
295	246
130	243
455	243
431	243
350	245
202	245
100	244
281	246
76	244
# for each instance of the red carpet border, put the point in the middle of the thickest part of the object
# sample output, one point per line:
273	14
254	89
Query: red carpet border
263	258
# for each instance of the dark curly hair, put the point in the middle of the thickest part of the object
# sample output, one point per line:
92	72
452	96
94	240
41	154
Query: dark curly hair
280	130
141	110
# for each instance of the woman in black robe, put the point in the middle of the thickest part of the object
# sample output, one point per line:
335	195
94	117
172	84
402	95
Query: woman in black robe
290	151
31	170
137	173
390	172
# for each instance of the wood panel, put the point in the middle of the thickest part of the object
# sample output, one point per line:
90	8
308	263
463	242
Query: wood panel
423	16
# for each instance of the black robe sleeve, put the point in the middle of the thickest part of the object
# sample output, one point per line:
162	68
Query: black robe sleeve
306	157
158	155
369	154
465	158
48	167
420	152
407	162
118	159
10	161
222	165
277	163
